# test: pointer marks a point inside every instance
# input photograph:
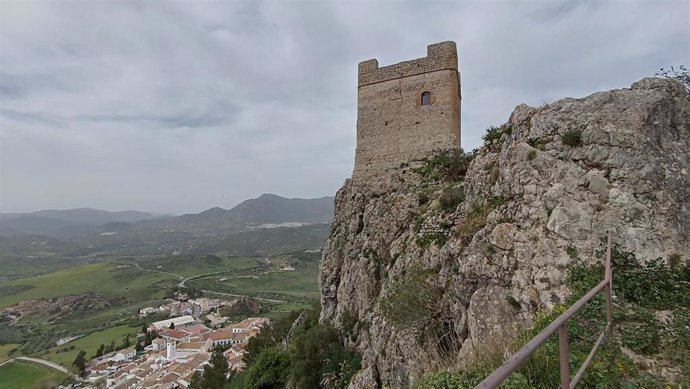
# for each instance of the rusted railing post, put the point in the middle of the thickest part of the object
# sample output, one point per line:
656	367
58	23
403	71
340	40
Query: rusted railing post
609	286
563	347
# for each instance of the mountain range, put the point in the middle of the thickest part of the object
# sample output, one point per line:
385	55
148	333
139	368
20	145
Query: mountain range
264	211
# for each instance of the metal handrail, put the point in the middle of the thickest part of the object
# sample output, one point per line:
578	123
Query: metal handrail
560	324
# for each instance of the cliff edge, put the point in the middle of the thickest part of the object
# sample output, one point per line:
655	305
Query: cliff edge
446	255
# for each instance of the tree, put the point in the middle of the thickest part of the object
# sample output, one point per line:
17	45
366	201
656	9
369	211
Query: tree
110	347
144	329
270	336
126	342
99	350
217	372
172	326
139	346
80	362
150	336
271	370
195	382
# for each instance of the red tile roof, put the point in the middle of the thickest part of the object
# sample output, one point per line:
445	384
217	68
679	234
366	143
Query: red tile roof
175	334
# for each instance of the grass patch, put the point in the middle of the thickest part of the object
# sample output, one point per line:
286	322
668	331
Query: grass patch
302	283
450	166
66	353
6	350
105	279
476	219
425	240
192	266
572	252
450	198
26	375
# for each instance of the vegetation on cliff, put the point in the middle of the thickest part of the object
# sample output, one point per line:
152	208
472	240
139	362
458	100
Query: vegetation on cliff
436	260
650	345
301	353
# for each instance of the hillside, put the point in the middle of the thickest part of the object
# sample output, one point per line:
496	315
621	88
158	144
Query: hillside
266	209
64	222
85	224
447	257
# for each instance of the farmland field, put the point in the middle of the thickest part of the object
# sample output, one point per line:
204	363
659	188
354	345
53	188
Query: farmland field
26	375
287	284
89	344
106	278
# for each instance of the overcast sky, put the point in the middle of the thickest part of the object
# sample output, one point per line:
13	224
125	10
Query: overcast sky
181	106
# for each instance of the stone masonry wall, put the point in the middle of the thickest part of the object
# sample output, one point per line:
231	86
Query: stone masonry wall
392	125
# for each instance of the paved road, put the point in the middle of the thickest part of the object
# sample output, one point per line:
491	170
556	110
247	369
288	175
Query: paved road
181	284
158	271
43	362
242	295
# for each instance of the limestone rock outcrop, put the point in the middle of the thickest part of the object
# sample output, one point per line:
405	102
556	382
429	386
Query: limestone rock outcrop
494	246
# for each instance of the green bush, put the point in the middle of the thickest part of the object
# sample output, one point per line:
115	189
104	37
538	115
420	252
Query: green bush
462	380
652	284
447	380
271	370
318	356
413	301
537	143
450	198
422	198
450	165
643	337
426	239
572	138
495	133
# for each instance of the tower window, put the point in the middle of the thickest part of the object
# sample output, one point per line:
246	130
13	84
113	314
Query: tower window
426	98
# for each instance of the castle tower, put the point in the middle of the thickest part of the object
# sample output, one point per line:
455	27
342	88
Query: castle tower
170	352
407	110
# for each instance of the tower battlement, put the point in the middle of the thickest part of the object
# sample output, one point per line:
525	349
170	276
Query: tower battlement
440	56
407	110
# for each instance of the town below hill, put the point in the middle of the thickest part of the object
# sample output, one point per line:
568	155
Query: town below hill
86	293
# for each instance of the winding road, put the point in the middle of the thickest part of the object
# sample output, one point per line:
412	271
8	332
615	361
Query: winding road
183	281
45	363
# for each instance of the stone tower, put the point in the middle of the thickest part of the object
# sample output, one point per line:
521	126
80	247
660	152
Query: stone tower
407	110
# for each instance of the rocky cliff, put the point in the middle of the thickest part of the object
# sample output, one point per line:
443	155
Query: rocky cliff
455	252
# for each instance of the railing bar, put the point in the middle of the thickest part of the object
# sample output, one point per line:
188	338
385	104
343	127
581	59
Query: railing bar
514	362
563	356
587	361
609	287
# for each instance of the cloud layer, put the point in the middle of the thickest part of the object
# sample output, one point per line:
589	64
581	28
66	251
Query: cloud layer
181	106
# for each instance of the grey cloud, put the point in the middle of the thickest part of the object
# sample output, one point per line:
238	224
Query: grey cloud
30	117
180	106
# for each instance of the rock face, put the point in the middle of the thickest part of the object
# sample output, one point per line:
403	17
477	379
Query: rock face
436	268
